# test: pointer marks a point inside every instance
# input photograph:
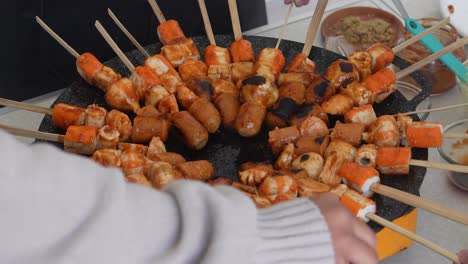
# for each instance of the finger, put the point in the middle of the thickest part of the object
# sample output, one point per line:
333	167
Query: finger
463	256
361	253
363	232
287	2
300	3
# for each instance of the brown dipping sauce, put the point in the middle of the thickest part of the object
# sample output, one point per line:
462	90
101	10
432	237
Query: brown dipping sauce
442	78
461	144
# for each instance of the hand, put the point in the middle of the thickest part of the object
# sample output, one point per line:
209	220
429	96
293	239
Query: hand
298	3
353	241
463	255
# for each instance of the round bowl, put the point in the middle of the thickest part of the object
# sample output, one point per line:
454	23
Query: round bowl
455	151
463	86
409	91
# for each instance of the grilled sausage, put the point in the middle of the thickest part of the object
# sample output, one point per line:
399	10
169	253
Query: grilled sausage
350	133
338	104
145	128
259	90
319	90
205	112
201	86
250	119
307	111
193	133
196	170
228	106
341	73
294	90
280	137
312	144
169	157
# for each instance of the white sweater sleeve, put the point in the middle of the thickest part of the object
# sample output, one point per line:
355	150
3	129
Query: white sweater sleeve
61	208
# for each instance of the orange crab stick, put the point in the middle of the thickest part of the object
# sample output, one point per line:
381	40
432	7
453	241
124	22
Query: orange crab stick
424	135
81	139
381	84
65	115
88	66
170	31
393	160
301	63
359	205
382	56
241	51
359	178
215	55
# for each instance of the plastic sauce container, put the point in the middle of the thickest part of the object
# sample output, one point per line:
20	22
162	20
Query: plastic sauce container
442	78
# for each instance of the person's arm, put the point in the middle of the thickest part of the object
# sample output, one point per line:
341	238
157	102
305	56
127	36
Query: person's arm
62	208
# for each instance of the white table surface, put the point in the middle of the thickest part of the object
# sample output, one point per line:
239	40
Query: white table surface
436	186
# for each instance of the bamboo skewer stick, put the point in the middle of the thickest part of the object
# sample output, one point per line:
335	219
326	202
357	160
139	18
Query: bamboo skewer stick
442	251
434	109
127	33
314	25
456	135
283	28
407	71
25	106
419	202
157	11
33	134
114	46
234	12
206	22
441	166
54	35
419	36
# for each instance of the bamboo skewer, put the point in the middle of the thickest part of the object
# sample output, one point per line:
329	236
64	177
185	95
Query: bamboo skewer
432	246
25	106
283	28
235	19
157	11
440	166
33	134
433	109
407	71
419	202
127	33
206	22
114	46
314	25
456	135
54	35
419	36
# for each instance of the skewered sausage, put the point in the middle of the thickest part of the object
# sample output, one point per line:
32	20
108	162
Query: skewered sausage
301	63
192	68
107	157
88	66
280	137
273	121
122	95
105	77
250	119
342	149
364	115
382	84
168	105
382	56
193	133
160	174
133	147
338	104
145	128
270	63
313	127
121	122
169	157
312	144
65	115
81	140
196	170
241	51
241	70
139	179
215	55
284	110
424	135
366	155
330	168
205	112
95	116
350	133
383	132
286	157
132	162
307	111
311	162
293	90
179	50
360	178
363	62
169	31
259	90
319	90
393	160
305	78
201	86
342	73
108	138
228	106
278	188
359	205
